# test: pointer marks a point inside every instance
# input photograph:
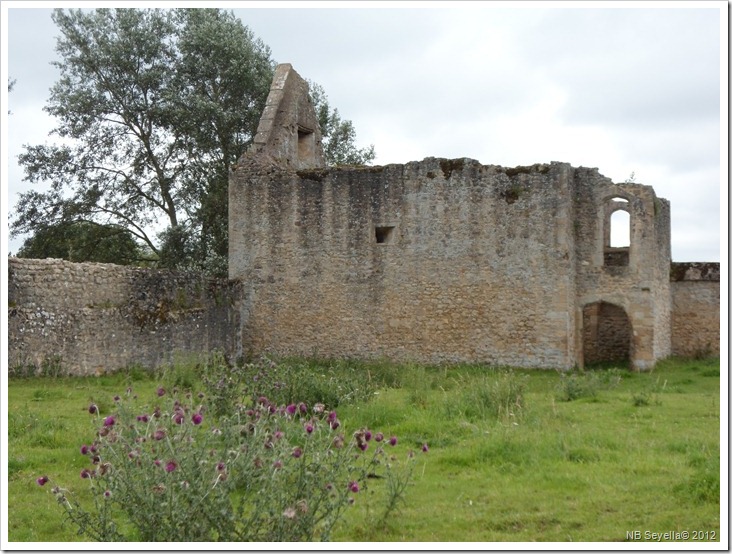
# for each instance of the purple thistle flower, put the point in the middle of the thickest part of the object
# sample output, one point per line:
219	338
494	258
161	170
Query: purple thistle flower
278	434
332	416
93	409
161	391
159	434
171	466
309	428
378	437
197	418
335	424
144	418
367	435
303	407
291	409
85	474
117	398
84	450
157	462
425	448
42	481
221	466
178	418
393	441
109	421
353	486
297	452
363	446
107	493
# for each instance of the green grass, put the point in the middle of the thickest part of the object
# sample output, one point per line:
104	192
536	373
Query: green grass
641	452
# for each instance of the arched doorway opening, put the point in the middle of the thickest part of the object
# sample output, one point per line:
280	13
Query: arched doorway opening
607	335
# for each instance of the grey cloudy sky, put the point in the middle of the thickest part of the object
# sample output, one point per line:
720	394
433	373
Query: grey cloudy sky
627	88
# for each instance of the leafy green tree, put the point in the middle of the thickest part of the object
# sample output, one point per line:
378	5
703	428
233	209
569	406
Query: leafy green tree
83	242
153	108
339	136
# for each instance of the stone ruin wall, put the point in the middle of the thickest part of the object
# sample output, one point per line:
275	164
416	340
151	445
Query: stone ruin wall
634	278
446	261
439	260
432	261
695	312
90	318
476	262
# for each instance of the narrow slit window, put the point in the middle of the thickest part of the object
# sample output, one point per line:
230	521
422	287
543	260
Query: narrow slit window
384	234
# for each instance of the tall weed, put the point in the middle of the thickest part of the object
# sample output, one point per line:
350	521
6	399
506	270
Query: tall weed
171	471
586	384
498	395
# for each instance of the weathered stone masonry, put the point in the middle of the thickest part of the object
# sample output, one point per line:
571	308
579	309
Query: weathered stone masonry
695	313
92	317
431	261
443	260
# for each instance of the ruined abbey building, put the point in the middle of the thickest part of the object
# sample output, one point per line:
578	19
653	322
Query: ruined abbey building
436	261
441	260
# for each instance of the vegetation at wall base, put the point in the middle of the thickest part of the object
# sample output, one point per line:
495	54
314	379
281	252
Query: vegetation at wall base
496	454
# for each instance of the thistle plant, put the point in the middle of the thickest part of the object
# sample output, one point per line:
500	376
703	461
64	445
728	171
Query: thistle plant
173	471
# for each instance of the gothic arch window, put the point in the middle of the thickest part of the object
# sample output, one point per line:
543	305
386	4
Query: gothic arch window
617	232
620	229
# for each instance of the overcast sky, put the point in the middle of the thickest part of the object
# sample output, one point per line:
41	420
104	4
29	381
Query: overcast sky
626	88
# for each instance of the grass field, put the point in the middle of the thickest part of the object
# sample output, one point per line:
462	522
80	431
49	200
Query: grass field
514	456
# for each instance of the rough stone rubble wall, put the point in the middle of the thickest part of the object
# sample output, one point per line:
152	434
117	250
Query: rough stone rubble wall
449	260
91	318
476	263
695	312
641	286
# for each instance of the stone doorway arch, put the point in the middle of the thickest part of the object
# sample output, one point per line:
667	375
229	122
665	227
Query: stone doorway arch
607	334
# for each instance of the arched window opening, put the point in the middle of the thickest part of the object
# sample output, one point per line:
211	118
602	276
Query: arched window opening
620	229
616	232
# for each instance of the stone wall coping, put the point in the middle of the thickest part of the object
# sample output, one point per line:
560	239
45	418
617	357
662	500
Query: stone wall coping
694	271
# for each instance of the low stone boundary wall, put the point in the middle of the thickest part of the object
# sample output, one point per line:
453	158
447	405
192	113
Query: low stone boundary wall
695	312
87	318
